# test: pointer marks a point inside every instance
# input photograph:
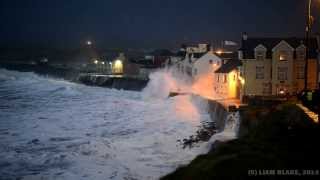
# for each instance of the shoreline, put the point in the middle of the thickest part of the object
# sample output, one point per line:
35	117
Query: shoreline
267	140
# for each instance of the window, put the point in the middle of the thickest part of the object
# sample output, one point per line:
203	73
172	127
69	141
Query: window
195	71
300	72
218	77
259	72
300	55
225	78
266	88
283	56
282	73
189	70
210	61
260	55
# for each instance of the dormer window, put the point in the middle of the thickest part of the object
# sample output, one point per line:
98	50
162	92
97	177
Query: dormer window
301	52
283	56
301	55
260	52
260	55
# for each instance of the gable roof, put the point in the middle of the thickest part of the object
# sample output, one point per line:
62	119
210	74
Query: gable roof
248	46
230	55
229	66
162	52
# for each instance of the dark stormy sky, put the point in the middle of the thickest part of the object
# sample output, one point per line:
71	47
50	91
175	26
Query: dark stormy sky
147	23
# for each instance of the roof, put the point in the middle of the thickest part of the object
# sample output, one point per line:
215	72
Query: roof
198	55
229	66
248	46
162	52
231	55
181	53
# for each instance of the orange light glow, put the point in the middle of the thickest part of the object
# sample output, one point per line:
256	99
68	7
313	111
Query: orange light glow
118	67
219	51
242	81
203	86
232	84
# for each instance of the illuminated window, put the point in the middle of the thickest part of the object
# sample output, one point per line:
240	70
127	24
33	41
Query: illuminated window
282	73
259	72
117	67
283	56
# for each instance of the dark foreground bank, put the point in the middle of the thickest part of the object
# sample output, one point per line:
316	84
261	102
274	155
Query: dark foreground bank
277	139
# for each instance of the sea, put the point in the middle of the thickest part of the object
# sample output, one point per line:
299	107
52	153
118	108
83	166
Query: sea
56	129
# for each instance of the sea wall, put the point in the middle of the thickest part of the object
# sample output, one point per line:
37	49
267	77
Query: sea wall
218	114
117	82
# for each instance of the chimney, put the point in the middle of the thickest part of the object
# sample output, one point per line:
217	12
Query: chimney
244	36
208	47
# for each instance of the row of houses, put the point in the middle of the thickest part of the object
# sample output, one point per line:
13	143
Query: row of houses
261	67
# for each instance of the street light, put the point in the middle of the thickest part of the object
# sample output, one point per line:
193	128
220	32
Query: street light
89	43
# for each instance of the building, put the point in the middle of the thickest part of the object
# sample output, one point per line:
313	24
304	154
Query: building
227	83
275	66
205	64
198	60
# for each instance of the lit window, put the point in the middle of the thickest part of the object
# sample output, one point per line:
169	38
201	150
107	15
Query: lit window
283	56
117	67
259	72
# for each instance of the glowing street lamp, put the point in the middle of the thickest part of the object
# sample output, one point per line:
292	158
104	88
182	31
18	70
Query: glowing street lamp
89	43
242	81
219	51
95	61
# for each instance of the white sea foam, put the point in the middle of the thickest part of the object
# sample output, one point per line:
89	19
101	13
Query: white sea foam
54	129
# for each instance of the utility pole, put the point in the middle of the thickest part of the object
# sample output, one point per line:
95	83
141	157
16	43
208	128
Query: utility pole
308	30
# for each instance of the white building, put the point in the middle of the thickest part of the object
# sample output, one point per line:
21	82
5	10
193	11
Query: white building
196	65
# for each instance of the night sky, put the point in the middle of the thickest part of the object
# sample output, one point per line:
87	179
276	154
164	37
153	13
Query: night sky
147	23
